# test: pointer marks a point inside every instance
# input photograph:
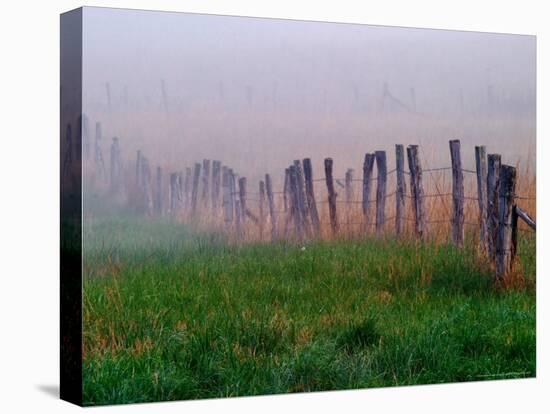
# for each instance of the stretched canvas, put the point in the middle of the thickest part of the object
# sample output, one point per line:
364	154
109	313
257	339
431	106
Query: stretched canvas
256	206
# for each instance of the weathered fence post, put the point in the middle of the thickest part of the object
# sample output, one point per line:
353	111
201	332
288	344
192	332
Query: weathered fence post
493	190
216	167
269	189
401	188
158	193
514	237
481	173
349	196
417	192
295	201
242	198
505	207
381	177
310	196
261	208
331	195
286	189
205	183
302	202
458	194
227	202
195	190
368	165
237	203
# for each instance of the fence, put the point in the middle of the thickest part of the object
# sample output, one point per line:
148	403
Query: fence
310	208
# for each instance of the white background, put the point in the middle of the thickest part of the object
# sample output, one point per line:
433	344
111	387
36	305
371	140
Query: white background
29	204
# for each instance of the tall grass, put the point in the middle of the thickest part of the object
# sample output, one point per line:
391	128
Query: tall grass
174	314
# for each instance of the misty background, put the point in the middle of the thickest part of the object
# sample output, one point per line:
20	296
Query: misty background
258	93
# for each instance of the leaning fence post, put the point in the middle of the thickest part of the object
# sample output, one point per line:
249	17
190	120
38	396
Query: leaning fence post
348	195
310	197
481	172
400	189
205	183
269	189
262	209
331	195
417	192
242	198
458	194
216	167
493	190
295	201
195	190
227	202
368	165
380	190
505	207
158	193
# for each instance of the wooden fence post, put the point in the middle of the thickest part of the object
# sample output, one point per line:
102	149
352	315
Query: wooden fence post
514	237
216	168
331	196
195	190
286	189
401	188
237	203
227	201
272	215
295	201
493	190
310	197
368	165
158	193
349	196
138	170
381	174
417	192
481	173
205	183
458	194
302	202
242	198
262	209
187	188
505	207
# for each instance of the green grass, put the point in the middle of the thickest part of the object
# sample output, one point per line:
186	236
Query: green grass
170	314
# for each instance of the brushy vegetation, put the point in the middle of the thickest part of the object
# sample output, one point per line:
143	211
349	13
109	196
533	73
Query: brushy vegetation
172	314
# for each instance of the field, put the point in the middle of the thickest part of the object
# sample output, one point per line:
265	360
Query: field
171	312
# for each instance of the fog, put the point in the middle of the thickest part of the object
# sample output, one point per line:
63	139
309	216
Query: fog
258	93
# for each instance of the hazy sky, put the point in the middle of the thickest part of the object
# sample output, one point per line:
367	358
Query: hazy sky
261	82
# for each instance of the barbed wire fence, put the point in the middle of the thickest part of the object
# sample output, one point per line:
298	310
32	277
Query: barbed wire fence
209	193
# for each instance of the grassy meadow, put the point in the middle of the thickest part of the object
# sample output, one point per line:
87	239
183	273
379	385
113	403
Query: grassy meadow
171	312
